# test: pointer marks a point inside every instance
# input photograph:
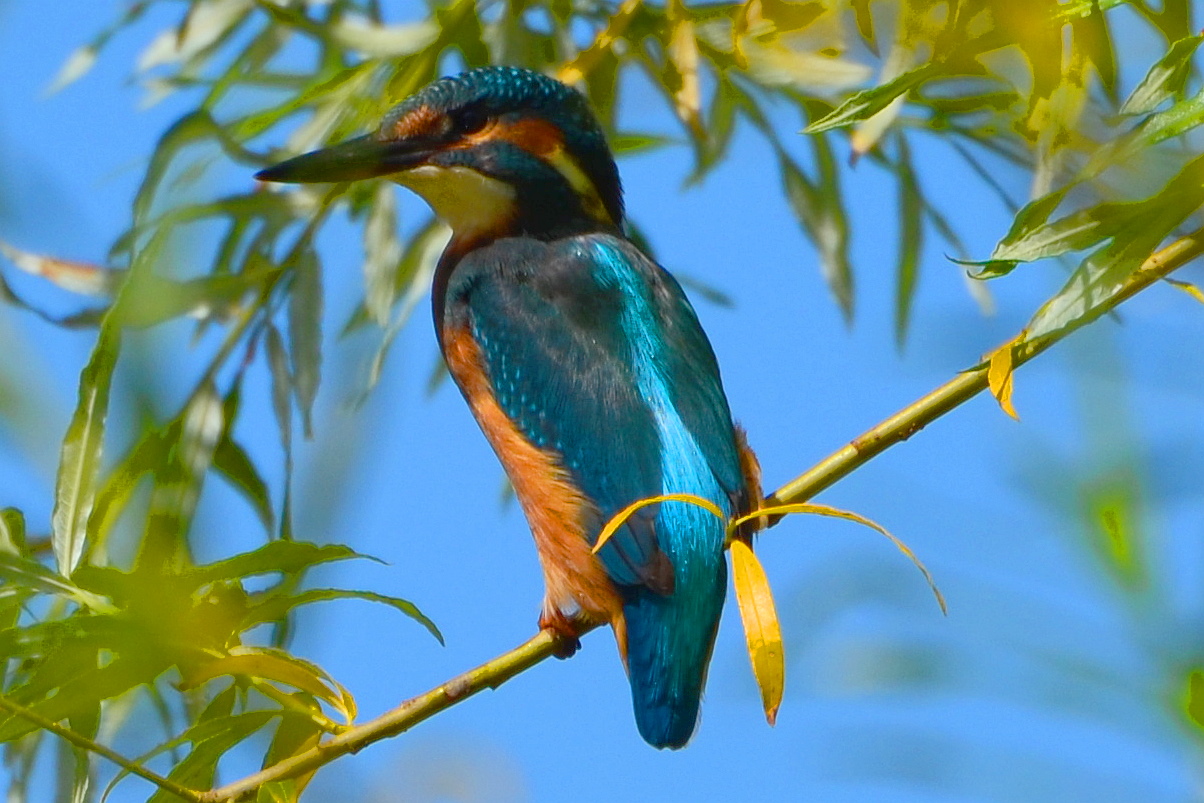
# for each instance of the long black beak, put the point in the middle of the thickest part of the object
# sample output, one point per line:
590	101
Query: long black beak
355	159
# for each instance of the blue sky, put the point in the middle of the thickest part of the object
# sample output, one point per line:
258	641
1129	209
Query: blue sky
1043	683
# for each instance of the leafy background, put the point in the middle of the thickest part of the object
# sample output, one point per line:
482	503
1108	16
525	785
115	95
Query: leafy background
1068	545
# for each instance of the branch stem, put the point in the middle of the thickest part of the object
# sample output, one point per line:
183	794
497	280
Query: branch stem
83	742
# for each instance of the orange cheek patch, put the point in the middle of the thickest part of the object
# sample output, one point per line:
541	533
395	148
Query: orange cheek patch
533	136
421	122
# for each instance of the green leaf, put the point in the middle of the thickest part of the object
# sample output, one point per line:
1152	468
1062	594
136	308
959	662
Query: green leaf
911	239
199	767
231	461
12	531
33	575
868	102
79	460
382	253
818	208
276	607
305	333
1165	79
1177	120
286	557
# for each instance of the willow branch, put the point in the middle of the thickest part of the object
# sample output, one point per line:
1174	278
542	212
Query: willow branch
899	427
84	743
922	412
488	675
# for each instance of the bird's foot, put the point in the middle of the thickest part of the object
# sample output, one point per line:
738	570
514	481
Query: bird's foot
565	629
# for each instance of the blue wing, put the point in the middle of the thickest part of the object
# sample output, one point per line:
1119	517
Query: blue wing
594	352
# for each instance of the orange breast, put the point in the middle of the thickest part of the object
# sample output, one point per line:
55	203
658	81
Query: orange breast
557	511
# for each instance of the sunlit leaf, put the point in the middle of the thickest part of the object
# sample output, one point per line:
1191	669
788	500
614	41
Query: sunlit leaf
911	239
79	460
1165	79
620	518
1000	369
274	665
1189	288
382	253
305	333
276	607
31	574
286	557
761	629
869	102
817	205
199	768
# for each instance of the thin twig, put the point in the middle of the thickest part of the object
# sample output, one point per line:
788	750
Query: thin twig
899	427
81	741
919	414
489	675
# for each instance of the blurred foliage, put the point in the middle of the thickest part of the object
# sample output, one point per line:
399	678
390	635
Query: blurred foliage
1023	86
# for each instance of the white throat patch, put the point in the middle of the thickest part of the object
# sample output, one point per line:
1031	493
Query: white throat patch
470	202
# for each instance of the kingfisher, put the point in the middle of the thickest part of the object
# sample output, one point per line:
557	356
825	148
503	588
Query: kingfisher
583	362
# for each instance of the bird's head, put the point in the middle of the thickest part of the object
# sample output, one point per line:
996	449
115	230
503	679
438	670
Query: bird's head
493	150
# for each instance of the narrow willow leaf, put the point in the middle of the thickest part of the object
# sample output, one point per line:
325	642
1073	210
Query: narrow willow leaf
282	383
818	207
1189	288
1096	280
620	518
75	67
1074	232
305	334
199	767
382	253
1179	119
814	509
12	532
278	606
295	734
682	57
867	103
383	41
286	557
33	575
84	278
274	665
1000	370
232	462
79	459
911	240
762	632
206	25
1165	79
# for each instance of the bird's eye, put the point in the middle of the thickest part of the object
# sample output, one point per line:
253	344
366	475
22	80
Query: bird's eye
470	121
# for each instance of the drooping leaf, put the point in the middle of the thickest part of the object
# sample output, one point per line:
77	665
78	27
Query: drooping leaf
1000	369
276	607
285	557
1165	80
79	459
29	573
305	334
761	629
867	103
911	239
277	666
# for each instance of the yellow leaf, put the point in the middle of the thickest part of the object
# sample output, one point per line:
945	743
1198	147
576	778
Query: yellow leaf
620	518
279	667
683	56
1189	288
837	513
999	377
587	59
761	629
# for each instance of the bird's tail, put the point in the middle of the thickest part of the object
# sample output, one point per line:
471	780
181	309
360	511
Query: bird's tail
669	643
